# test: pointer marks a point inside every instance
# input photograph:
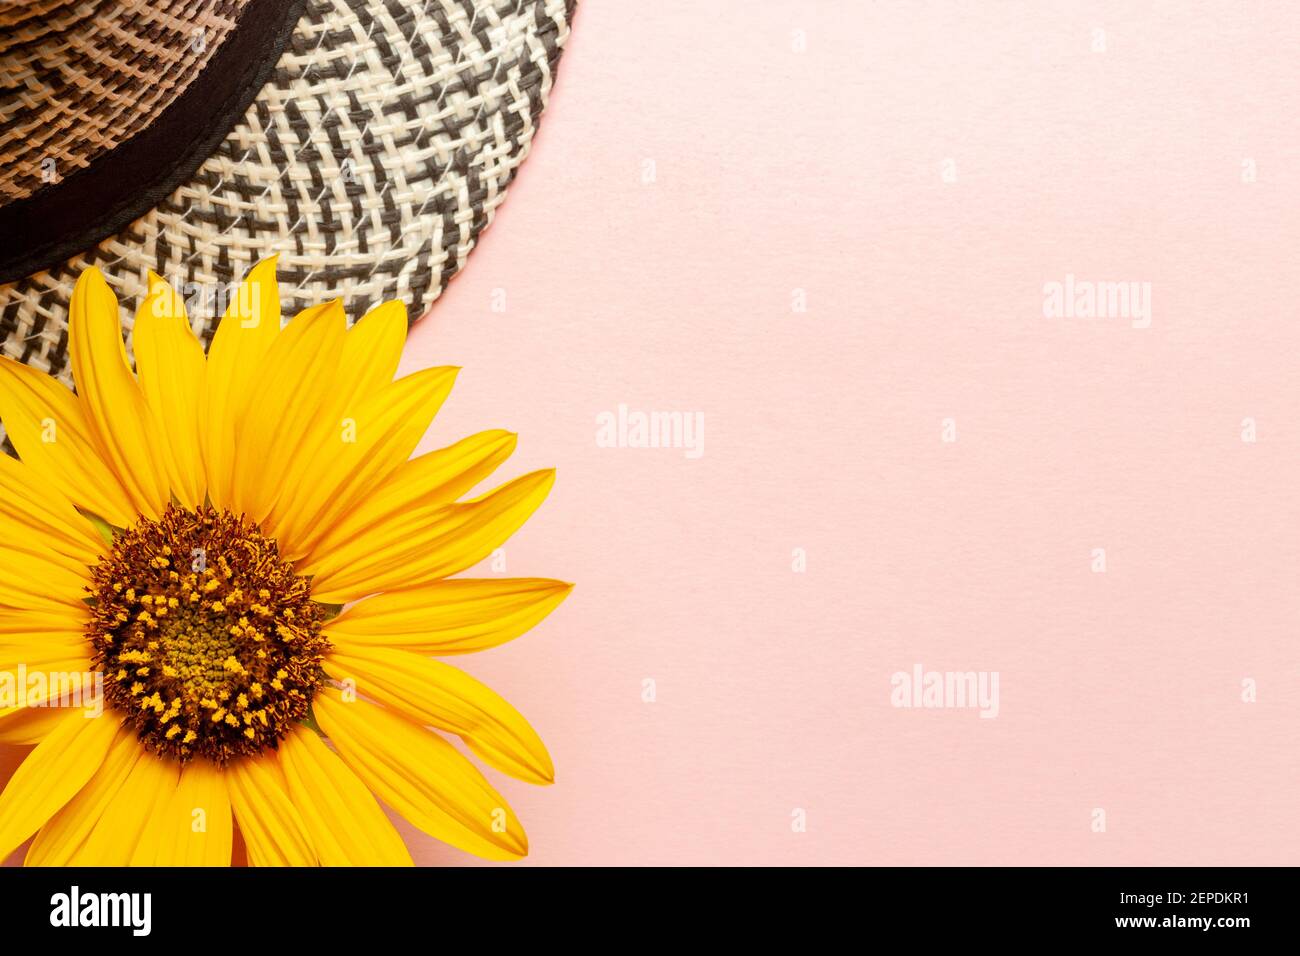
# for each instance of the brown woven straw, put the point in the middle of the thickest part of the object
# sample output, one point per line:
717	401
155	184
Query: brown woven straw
88	76
376	150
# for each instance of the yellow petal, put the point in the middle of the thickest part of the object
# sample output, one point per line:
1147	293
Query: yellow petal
421	776
423	545
29	725
67	830
346	825
371	352
53	676
247	330
431	692
345	459
53	437
365	364
124	428
194	826
294	380
432	480
70	641
44	620
33	576
124	834
169	361
51	774
44	513
272	827
457	616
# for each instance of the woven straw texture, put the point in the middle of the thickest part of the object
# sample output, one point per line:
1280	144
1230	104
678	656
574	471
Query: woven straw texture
78	78
370	163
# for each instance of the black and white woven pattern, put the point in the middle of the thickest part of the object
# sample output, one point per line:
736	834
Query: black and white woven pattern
370	163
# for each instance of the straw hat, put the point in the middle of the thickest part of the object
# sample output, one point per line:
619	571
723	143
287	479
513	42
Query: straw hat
367	142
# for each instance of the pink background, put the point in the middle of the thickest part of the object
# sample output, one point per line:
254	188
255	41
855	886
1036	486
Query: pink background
820	170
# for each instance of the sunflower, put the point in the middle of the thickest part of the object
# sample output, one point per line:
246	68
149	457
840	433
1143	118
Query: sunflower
240	554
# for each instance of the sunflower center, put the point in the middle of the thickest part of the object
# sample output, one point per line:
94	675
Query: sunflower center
209	643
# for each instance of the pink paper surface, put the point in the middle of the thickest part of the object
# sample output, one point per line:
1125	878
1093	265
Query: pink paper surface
827	170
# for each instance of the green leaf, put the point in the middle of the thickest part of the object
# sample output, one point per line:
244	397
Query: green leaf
310	721
329	611
106	530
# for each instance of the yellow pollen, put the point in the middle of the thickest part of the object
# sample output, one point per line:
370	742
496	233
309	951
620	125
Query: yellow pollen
186	658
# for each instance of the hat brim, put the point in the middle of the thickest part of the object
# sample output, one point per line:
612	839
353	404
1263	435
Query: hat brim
370	159
52	225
